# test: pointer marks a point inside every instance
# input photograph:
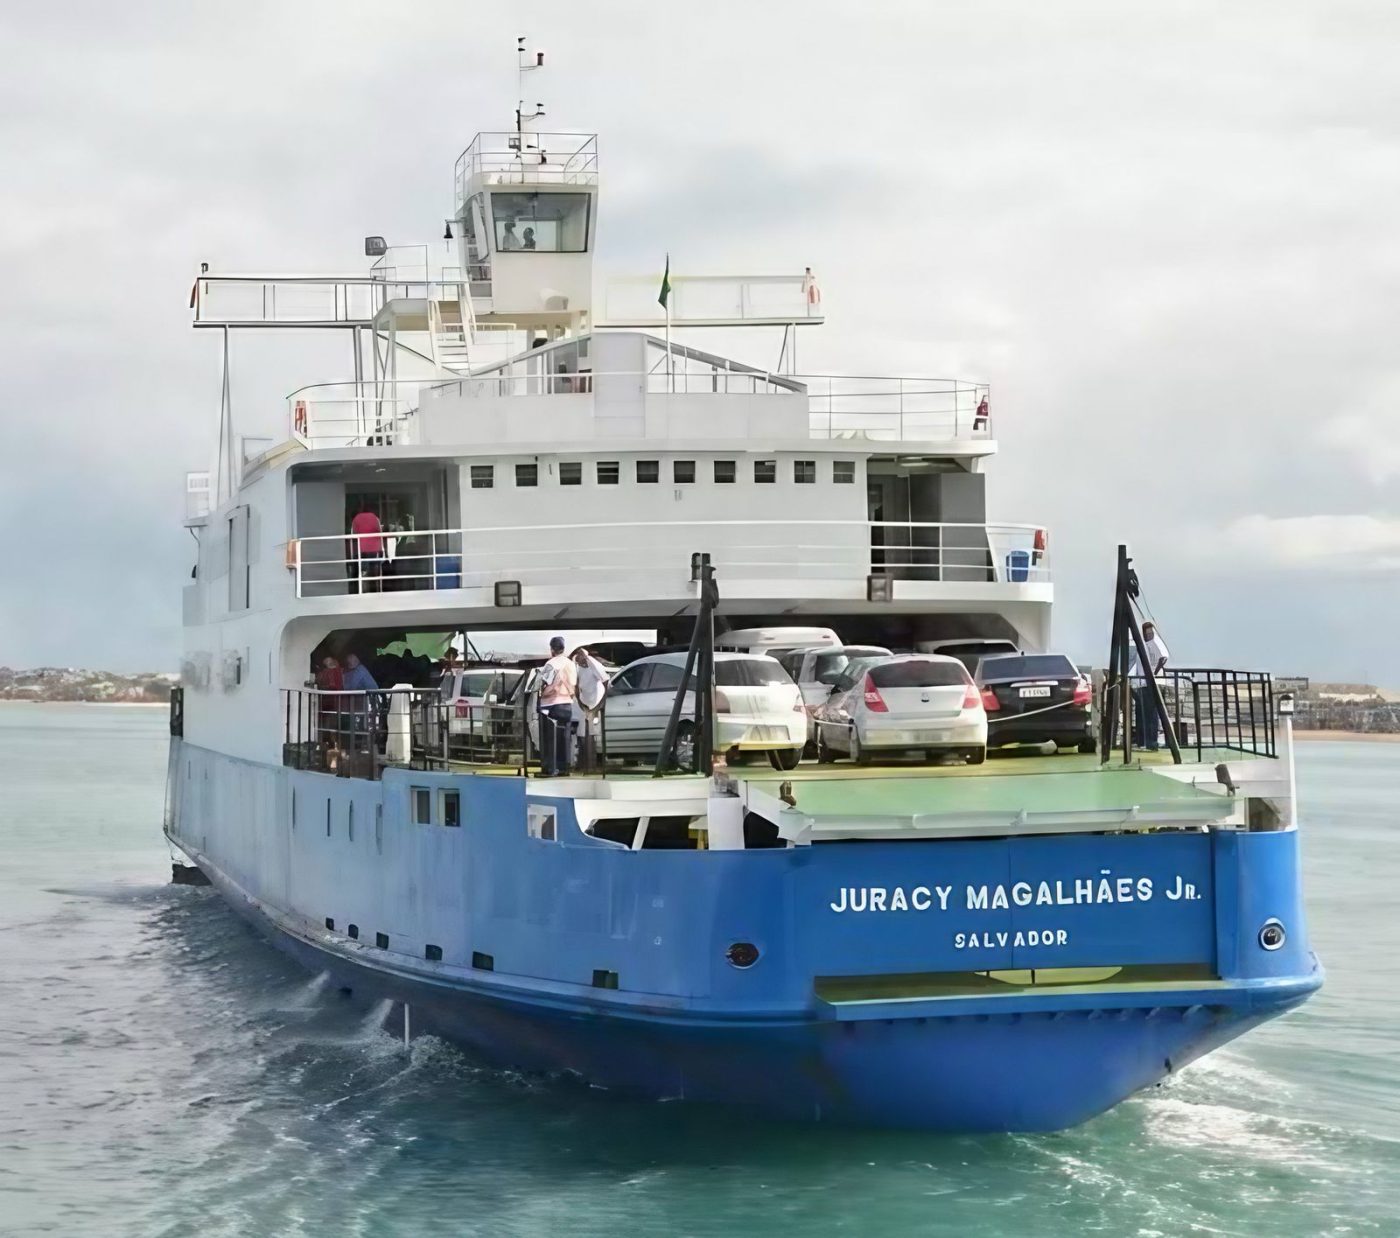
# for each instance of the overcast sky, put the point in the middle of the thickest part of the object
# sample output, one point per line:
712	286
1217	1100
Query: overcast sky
1167	234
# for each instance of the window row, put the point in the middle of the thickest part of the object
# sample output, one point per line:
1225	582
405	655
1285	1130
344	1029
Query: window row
683	473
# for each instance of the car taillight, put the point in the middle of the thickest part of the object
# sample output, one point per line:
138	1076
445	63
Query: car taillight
873	700
721	702
989	701
971	698
1083	693
462	709
799	706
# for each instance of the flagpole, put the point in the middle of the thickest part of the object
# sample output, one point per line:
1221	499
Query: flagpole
670	360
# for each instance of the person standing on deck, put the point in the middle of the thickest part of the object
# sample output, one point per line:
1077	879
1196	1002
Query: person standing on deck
329	679
1145	721
358	679
558	692
367	540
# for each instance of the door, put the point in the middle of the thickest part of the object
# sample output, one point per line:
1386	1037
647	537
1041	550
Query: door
621	716
654	704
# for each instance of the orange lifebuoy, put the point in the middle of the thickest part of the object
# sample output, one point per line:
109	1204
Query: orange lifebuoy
299	418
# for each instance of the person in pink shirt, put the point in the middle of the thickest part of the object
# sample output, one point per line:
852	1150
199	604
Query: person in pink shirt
558	691
367	546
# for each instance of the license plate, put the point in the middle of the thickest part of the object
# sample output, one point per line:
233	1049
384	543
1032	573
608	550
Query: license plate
1027	693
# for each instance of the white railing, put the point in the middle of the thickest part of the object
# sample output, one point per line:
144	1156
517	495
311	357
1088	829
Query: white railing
631	300
506	158
364	414
346	563
552	554
308	300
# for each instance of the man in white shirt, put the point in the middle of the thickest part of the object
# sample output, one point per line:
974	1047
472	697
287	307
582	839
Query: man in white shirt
1143	702
558	692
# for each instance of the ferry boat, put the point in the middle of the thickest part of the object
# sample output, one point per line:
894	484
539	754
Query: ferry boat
1014	945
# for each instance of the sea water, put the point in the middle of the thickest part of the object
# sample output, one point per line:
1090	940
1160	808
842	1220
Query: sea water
163	1071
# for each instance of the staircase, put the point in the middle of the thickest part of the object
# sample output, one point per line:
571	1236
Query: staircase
451	341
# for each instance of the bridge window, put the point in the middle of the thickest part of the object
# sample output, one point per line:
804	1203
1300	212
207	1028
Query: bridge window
609	472
765	470
724	471
527	474
843	472
648	470
483	476
570	473
554	223
804	472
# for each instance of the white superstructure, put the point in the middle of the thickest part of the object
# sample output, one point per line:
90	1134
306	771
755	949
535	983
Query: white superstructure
537	464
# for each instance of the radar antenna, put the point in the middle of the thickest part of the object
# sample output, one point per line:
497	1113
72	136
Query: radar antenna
526	62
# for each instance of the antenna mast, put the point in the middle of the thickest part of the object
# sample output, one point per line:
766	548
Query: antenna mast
526	62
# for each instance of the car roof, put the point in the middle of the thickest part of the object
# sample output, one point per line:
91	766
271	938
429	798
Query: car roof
678	659
987	665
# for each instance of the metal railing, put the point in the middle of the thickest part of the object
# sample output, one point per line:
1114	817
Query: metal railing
1211	708
405	560
508	158
438	559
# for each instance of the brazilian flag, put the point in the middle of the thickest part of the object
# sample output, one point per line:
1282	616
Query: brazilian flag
665	293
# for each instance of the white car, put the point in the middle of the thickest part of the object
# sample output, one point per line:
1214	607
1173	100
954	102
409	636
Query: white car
774	641
757	709
920	701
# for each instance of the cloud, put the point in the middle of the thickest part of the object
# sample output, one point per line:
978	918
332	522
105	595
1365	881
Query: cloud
1304	544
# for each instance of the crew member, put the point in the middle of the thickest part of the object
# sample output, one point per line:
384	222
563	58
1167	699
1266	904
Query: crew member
367	545
558	692
1144	702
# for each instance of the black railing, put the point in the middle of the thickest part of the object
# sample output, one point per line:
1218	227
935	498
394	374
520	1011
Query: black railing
1207	708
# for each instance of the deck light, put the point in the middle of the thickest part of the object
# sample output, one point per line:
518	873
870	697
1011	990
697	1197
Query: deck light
879	589
507	593
375	247
446	229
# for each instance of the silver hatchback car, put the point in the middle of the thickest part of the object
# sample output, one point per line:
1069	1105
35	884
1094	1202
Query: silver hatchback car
924	702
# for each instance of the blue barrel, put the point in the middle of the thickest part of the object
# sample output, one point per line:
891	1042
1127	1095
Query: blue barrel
1018	566
447	571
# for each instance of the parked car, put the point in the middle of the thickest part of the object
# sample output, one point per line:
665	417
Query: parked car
818	669
1036	698
969	650
471	698
920	701
774	641
757	709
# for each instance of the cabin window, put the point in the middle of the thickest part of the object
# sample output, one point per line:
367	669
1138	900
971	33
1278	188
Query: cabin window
804	472
381	940
571	473
539	822
765	470
725	471
432	953
609	472
452	808
843	472
422	805
648	470
483	476
683	472
527	474
551	223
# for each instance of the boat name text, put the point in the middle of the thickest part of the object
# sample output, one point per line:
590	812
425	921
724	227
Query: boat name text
1059	893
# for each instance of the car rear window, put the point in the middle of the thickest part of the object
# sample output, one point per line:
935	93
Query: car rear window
746	673
918	674
1033	666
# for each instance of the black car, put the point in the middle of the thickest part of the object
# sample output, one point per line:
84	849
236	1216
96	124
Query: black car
1036	698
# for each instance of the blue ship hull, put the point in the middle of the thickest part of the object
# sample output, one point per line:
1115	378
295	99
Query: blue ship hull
684	1023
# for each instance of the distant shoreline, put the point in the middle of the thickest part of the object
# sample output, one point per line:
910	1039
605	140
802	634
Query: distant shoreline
15	700
1368	737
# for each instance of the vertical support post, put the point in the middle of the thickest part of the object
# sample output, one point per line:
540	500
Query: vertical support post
405	1025
1285	713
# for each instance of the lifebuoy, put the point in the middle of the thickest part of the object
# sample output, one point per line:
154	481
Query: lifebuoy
299	417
